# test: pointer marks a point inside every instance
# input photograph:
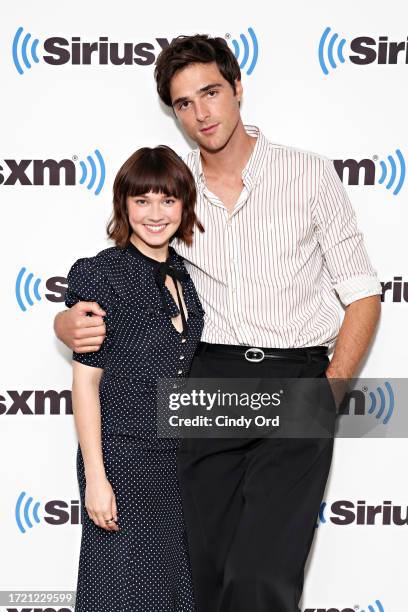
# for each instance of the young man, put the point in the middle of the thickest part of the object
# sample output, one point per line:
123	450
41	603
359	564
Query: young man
280	241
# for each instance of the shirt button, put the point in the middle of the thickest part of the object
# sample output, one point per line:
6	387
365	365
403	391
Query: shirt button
181	356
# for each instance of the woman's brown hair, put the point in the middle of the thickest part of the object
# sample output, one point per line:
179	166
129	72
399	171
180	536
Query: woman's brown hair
159	170
185	50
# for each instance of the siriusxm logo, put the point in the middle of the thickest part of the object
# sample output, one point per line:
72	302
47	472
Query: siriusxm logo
57	51
365	171
56	512
38	402
29	172
376	607
345	512
398	290
28	289
361	51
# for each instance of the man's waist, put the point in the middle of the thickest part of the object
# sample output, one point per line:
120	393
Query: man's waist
259	353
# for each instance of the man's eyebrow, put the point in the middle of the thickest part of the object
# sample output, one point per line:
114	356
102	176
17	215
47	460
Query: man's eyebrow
201	90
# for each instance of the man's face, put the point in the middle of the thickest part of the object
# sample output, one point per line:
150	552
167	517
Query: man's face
205	104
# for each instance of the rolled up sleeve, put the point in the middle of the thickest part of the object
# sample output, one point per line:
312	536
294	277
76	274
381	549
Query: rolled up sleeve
341	242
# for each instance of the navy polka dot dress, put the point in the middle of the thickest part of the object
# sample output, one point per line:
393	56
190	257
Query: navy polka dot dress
144	566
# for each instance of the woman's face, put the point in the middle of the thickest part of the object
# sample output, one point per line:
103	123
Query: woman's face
154	217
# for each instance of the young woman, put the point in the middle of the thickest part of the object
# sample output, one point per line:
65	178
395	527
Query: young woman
133	548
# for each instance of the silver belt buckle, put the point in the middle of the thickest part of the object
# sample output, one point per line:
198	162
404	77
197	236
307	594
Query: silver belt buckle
255	359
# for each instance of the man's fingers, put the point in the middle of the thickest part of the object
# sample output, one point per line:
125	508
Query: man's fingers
92	307
88	344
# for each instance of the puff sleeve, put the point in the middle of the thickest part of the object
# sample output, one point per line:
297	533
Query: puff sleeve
88	281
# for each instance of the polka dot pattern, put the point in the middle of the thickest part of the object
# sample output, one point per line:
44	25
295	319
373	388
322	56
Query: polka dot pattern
144	566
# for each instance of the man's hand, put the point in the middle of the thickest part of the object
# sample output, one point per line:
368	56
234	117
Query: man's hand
81	333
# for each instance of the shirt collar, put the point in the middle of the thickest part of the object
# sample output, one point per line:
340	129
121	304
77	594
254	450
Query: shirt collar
254	165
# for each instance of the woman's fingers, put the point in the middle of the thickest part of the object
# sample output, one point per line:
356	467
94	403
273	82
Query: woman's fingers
101	518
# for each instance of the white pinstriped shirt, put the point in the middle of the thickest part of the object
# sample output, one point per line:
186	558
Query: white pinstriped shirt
270	274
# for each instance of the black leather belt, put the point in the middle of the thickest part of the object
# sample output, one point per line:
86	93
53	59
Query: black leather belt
255	354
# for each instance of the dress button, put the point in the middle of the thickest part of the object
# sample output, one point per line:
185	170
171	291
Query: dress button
184	339
180	372
181	356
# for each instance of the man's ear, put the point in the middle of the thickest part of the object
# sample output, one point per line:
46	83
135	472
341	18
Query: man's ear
238	89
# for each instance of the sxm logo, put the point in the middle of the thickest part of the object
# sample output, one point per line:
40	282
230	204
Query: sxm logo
365	171
28	292
377	606
57	51
378	403
346	512
40	402
56	512
246	51
91	172
362	50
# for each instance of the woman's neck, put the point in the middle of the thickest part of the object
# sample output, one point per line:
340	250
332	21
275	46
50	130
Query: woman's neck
159	253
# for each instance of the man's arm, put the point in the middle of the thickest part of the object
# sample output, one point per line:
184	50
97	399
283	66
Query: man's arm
356	332
81	333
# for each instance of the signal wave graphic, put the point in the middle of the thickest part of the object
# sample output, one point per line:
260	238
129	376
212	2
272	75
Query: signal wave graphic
23	510
322	518
382	402
93	172
393	171
22	52
236	47
329	52
378	607
23	289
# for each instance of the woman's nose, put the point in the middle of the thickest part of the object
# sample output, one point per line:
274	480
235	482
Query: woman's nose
155	213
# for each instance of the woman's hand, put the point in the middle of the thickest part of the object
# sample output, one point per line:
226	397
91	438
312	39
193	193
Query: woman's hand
100	502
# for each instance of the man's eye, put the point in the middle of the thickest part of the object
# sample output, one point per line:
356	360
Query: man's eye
183	105
212	91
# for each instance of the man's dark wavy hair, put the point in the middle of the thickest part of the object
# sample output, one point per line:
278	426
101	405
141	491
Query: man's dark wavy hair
185	50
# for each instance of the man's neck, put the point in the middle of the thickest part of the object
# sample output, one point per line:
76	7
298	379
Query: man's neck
232	158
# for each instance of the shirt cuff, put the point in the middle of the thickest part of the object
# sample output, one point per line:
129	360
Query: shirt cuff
358	287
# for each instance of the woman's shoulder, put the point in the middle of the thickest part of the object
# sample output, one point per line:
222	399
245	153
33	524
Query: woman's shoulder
102	262
91	277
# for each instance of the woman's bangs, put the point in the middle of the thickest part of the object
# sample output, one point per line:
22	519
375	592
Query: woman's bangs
160	179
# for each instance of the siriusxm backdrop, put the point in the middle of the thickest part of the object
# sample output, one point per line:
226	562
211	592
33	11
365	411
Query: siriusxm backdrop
78	97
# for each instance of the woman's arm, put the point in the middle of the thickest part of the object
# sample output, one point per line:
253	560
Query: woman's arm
99	498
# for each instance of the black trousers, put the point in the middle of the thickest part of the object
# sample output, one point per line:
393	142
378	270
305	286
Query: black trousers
251	505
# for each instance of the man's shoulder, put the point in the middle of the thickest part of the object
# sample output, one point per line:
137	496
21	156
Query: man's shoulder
291	152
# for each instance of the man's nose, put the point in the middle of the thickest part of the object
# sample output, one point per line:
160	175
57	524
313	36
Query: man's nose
201	111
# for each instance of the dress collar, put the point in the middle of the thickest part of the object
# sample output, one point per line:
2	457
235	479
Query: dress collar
137	253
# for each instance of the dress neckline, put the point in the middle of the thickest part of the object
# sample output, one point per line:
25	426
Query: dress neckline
133	250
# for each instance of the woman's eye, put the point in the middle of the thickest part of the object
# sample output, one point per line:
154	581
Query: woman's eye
169	201
140	201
